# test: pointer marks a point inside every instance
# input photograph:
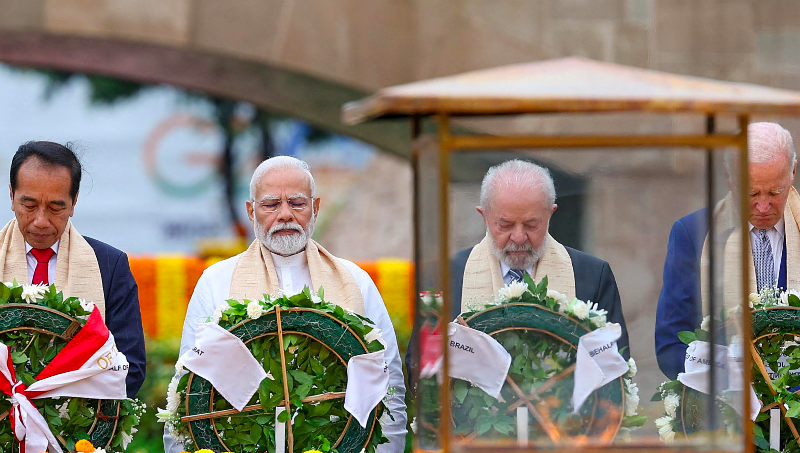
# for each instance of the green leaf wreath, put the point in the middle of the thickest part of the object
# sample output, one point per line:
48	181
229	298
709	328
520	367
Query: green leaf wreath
70	419
537	358
776	330
312	369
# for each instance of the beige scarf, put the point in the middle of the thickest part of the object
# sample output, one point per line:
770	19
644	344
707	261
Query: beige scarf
77	271
255	275
732	290
483	278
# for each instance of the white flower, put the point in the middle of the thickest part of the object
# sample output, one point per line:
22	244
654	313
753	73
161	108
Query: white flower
784	299
86	305
63	410
631	398
126	439
173	398
254	310
665	432
374	334
557	296
624	434
579	309
178	367
754	299
334	418
217	315
671	403
706	324
316	299
597	314
414	425
632	370
102	450
513	290
32	292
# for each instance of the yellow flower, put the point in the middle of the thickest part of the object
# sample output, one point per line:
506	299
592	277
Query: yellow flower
312	451
204	450
84	446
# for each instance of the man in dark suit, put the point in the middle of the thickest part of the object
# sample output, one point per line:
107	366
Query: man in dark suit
516	203
772	165
44	182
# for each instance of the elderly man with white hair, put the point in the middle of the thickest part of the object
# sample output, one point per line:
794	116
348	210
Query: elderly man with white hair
774	240
517	201
283	207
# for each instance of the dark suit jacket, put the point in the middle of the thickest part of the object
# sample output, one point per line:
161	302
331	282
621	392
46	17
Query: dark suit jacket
123	317
594	281
679	302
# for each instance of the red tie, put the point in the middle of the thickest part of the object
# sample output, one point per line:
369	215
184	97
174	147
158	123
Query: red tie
42	261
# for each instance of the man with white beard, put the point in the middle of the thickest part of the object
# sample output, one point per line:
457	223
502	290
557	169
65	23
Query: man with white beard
517	201
283	207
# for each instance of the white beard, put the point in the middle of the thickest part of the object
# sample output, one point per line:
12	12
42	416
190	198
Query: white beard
527	261
284	244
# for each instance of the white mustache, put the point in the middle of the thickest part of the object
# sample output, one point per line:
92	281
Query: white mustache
285	226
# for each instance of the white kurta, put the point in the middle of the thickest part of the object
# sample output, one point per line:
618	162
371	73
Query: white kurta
213	288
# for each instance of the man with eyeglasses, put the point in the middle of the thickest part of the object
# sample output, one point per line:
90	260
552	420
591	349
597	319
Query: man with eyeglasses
283	258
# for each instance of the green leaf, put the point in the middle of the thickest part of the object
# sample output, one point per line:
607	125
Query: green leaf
263	394
460	390
794	409
794	301
687	336
283	417
19	358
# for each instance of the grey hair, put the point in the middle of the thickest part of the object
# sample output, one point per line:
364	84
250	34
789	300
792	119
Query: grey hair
766	141
517	173
279	162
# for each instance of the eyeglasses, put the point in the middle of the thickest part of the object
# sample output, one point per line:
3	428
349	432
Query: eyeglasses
296	203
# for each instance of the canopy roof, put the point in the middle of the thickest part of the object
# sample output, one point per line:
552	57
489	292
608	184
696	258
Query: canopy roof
569	85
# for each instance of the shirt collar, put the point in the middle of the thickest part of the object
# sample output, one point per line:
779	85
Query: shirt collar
298	259
780	227
28	247
504	268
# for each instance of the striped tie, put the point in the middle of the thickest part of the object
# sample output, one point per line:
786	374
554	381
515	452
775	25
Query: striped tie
764	263
515	275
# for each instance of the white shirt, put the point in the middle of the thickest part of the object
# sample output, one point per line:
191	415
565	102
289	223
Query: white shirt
32	262
775	235
213	289
504	268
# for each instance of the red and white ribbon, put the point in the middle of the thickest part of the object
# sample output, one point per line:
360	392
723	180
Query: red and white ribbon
89	366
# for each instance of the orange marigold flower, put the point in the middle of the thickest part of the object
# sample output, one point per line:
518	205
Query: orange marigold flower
84	446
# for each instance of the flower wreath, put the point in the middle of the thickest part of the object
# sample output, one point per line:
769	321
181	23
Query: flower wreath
313	368
774	314
534	358
32	317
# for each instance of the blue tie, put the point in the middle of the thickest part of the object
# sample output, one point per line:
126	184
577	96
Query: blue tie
515	275
764	263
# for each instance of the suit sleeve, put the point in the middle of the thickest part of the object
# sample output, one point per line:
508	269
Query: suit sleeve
678	300
124	320
608	298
